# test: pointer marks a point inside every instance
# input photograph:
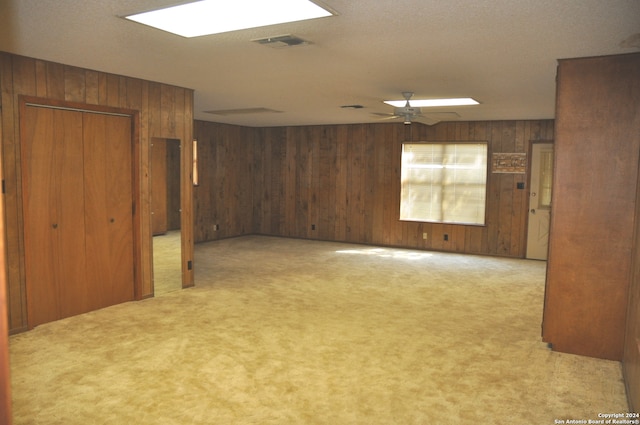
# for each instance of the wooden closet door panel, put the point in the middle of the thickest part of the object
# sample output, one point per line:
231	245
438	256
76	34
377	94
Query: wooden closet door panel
120	194
39	177
53	213
108	206
73	289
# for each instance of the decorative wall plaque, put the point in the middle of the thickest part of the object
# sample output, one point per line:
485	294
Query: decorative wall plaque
514	163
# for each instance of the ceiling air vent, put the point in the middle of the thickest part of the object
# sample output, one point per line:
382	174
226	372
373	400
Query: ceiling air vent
280	41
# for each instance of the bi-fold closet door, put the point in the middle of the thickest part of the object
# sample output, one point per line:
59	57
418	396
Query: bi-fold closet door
77	210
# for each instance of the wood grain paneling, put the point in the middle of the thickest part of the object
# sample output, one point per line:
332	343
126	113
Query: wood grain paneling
173	184
164	111
223	200
342	183
158	173
165	185
597	147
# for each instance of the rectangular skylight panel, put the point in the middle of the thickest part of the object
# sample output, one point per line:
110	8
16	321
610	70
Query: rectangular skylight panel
426	103
217	16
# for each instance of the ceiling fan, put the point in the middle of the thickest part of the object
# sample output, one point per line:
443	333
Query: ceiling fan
410	113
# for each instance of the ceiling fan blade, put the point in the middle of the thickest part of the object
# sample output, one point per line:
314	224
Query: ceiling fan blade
385	116
426	120
436	117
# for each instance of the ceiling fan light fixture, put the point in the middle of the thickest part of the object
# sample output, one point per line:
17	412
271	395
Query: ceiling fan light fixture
208	17
431	103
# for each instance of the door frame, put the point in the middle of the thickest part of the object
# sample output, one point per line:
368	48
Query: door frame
5	380
134	115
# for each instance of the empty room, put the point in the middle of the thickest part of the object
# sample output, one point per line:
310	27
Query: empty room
312	212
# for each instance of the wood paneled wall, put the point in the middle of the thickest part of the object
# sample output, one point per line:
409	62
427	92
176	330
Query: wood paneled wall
174	217
342	183
223	200
165	111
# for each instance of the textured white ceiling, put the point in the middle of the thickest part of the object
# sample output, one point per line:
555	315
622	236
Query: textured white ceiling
500	52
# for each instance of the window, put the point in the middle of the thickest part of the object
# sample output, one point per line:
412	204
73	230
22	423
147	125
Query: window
546	177
444	182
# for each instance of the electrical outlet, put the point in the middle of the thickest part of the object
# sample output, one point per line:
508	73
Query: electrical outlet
446	237
313	227
216	227
424	235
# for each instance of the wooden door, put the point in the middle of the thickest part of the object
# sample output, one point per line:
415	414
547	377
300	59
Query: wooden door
540	201
108	208
53	214
78	218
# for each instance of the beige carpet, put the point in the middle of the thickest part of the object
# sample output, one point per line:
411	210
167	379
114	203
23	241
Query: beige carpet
282	331
167	273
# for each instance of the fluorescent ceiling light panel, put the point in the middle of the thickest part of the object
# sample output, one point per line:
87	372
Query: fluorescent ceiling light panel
216	16
426	103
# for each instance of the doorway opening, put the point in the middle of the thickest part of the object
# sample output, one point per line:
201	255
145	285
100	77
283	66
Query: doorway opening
166	215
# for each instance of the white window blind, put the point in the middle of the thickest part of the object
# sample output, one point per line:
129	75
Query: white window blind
444	182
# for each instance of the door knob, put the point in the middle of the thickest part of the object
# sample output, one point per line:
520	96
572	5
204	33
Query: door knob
533	211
